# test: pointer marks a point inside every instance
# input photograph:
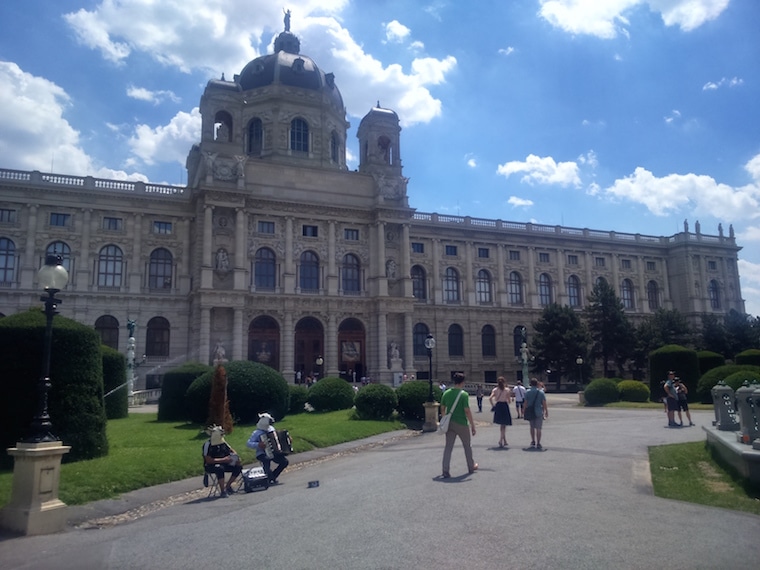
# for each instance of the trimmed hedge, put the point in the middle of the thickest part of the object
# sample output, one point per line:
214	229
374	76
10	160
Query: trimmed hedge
601	391
171	404
737	379
75	399
252	388
376	402
299	395
411	397
330	394
633	391
673	357
712	377
749	356
709	360
115	378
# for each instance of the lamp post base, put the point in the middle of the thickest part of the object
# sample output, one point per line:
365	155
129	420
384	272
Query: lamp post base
34	507
431	416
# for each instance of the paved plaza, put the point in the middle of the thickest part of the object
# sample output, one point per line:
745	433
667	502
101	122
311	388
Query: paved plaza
586	503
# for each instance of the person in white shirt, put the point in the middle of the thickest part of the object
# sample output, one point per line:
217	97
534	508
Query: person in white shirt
519	393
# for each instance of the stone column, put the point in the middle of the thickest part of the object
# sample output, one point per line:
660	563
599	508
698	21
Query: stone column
333	279
408	344
382	344
666	285
406	261
240	334
331	347
136	271
616	274
382	280
530	282
287	354
208	226
204	340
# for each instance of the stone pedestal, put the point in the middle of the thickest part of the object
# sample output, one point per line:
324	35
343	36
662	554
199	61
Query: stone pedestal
431	416
34	507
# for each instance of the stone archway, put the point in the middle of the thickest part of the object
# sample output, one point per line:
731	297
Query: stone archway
309	346
352	349
264	341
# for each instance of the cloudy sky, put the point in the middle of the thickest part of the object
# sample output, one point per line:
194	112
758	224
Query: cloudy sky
629	115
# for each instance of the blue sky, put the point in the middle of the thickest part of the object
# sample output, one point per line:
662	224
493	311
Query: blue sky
624	114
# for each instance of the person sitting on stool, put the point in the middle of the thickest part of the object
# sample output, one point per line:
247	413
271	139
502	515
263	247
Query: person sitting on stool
258	441
218	458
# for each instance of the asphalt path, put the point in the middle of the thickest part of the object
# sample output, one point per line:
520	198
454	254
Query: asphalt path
584	503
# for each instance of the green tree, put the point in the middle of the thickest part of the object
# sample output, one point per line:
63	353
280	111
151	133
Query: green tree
712	335
740	332
612	334
665	326
559	338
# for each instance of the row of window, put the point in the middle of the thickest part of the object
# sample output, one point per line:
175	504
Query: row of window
455	338
157	335
109	223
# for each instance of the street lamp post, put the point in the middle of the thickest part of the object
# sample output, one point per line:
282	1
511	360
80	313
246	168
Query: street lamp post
53	277
430	345
319	362
579	362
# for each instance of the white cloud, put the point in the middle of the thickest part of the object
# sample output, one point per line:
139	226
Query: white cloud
507	51
674	115
155	97
752	233
698	194
519	202
606	19
470	160
589	159
396	32
542	170
169	143
733	82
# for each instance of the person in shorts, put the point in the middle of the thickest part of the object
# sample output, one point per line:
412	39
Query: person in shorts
519	393
535	400
671	401
683	401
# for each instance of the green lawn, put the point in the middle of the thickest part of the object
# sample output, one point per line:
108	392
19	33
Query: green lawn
689	472
145	452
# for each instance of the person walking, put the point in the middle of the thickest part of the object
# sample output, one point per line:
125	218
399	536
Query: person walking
479	397
499	398
519	393
460	425
683	401
536	411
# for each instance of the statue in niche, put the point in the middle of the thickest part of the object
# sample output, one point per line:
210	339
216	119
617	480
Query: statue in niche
222	260
390	269
223	133
131	325
394	352
220	354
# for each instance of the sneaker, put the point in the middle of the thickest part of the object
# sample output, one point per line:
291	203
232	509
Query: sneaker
224	495
533	444
474	468
691	424
274	482
539	447
445	475
231	491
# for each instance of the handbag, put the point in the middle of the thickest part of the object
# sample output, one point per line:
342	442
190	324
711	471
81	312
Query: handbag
443	425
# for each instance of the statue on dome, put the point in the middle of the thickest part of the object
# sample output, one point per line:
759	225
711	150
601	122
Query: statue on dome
286	19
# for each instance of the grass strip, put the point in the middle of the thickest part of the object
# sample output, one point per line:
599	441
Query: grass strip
145	452
690	472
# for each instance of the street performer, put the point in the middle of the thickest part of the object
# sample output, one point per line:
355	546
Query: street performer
260	441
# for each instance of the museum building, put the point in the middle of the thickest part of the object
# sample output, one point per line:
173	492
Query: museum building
276	252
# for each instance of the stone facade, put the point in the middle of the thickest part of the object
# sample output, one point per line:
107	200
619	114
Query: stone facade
277	253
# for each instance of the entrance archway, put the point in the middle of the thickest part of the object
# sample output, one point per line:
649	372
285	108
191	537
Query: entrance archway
264	341
309	346
352	349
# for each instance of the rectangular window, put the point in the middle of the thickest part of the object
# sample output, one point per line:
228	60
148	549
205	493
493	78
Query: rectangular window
514	255
57	219
712	265
265	227
418	247
310	231
451	250
7	216
350	234
483	252
543	257
112	224
163	228
599	261
625	263
572	260
651	266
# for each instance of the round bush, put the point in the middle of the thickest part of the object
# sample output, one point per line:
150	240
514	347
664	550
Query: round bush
712	377
737	379
330	394
376	402
411	397
601	391
633	391
299	395
749	356
171	403
709	360
252	388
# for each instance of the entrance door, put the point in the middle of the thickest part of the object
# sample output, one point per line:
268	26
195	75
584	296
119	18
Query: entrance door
352	349
309	347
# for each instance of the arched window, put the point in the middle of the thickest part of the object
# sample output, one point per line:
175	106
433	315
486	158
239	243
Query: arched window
515	289
110	266
544	289
626	288
653	296
574	291
7	261
601	281
309	274
350	273
419	335
488	340
334	148
713	289
299	135
264	270
255	136
223	127
419	283
160	269
451	285
157	337
62	249
483	287
108	329
456	341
